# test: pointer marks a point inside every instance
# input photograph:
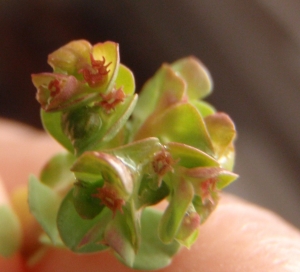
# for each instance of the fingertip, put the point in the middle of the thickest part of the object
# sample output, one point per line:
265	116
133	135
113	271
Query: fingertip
12	264
63	260
24	150
240	236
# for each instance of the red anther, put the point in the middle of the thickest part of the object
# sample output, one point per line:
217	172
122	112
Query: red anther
109	197
162	163
54	87
206	187
112	99
96	73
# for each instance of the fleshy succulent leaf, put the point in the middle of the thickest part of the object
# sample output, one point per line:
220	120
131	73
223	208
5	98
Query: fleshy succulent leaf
93	166
125	80
189	228
10	232
137	154
70	57
161	91
148	194
119	237
56	173
163	126
195	74
44	204
181	198
52	124
153	253
189	156
221	130
88	235
86	204
203	107
225	178
227	160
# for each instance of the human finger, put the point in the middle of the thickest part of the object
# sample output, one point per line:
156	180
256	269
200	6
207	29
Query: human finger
238	236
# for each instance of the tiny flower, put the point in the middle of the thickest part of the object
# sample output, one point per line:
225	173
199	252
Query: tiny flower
206	187
109	197
54	87
81	73
112	99
96	73
80	57
162	163
55	91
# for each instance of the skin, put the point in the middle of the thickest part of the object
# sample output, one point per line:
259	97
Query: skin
238	236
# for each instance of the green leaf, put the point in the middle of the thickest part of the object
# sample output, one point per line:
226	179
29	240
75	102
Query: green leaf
44	204
228	158
189	228
190	240
178	205
137	154
125	79
189	156
119	237
86	204
10	232
94	166
81	235
221	130
68	58
195	75
203	107
162	90
167	126
148	195
56	173
225	178
153	253
52	124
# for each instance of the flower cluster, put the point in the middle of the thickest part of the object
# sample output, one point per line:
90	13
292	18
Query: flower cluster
127	153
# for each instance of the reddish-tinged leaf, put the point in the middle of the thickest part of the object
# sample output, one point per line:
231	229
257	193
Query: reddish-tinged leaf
195	75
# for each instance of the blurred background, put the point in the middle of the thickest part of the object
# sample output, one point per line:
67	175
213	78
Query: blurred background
251	48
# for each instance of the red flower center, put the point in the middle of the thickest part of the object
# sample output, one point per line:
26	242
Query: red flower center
96	73
54	87
109	197
112	99
162	163
206	187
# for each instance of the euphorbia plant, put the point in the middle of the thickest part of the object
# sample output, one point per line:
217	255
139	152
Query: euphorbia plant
125	153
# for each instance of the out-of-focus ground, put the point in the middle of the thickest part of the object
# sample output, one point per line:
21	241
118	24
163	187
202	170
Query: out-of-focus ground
252	49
